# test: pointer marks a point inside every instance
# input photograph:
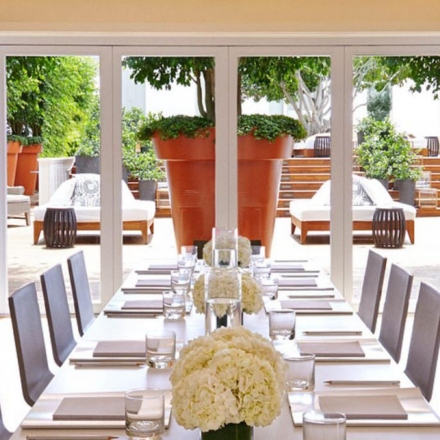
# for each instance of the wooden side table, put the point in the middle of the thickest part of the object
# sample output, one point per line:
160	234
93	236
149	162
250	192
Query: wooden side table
59	227
389	227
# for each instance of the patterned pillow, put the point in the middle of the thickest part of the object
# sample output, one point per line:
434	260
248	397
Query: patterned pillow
87	192
360	197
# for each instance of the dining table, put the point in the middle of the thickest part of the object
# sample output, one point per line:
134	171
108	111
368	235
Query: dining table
323	317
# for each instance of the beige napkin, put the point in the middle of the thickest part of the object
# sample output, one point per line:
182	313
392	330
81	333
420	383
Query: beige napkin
297	282
332	349
364	407
305	305
119	349
278	267
154	283
148	304
90	408
162	267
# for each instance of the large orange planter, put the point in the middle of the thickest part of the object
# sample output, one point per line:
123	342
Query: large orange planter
27	168
190	166
14	148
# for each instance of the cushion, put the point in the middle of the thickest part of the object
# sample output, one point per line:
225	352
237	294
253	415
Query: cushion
63	194
322	196
360	197
87	190
377	192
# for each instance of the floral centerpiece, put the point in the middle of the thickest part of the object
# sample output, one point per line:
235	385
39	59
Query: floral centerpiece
231	376
244	250
251	291
251	298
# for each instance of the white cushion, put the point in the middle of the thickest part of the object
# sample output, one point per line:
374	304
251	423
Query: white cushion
377	192
322	196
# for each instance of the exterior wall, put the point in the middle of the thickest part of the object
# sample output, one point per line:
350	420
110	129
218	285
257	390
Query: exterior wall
218	16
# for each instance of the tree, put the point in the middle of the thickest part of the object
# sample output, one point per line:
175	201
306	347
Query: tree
50	98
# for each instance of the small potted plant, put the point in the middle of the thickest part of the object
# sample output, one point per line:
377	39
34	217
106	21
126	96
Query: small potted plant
145	167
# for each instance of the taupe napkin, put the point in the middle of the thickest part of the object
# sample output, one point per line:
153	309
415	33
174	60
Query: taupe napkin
153	283
90	408
119	349
161	267
285	267
365	407
296	282
332	349
305	305
147	304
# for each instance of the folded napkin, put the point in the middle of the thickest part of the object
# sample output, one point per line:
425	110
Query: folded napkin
147	304
162	267
285	267
332	349
365	407
153	283
91	408
297	282
119	349
296	304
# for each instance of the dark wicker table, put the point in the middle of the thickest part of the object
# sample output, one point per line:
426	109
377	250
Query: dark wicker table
59	227
389	227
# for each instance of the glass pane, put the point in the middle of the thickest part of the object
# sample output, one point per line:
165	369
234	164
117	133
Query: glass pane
395	134
162	98
279	176
53	124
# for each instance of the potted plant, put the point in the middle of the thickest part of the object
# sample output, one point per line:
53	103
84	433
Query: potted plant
387	155
145	167
187	146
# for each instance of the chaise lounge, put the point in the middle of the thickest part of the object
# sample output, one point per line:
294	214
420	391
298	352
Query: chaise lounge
368	194
82	192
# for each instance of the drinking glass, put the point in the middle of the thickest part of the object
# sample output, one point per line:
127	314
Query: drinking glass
282	324
319	425
174	304
144	413
160	348
300	374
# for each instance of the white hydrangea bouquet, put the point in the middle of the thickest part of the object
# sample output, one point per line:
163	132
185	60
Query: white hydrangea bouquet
230	376
244	250
251	290
251	298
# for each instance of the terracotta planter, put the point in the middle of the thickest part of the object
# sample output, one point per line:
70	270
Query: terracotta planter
27	168
190	167
14	148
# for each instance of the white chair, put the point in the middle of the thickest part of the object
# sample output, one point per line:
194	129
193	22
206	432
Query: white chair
18	203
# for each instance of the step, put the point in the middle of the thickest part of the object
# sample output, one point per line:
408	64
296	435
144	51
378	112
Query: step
300	186
301	194
300	177
306	170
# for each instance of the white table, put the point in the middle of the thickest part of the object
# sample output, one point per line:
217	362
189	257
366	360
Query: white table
71	379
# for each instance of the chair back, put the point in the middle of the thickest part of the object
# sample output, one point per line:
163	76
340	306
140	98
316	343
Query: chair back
29	342
425	338
372	289
395	310
82	297
58	314
432	144
322	146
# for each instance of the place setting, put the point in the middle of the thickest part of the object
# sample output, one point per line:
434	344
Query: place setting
307	306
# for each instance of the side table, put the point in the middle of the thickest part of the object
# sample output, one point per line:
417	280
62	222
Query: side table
389	227
59	227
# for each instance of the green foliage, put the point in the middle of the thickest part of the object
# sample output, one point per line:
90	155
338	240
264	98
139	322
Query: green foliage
379	103
162	72
90	141
270	127
50	97
385	153
174	126
144	166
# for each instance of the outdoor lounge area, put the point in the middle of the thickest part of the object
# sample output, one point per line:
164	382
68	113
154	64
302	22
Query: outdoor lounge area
82	193
368	194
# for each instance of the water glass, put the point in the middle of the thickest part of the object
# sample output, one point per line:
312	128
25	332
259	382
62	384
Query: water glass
186	262
300	374
180	281
269	287
318	425
174	304
262	268
258	254
144	413
189	251
160	348
282	324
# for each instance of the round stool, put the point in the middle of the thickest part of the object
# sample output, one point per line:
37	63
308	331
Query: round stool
389	227
59	227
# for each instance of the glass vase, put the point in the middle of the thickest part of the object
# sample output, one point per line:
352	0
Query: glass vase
224	246
231	431
222	298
